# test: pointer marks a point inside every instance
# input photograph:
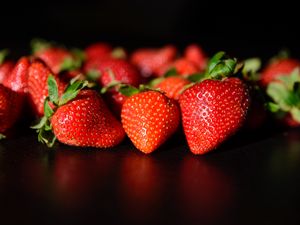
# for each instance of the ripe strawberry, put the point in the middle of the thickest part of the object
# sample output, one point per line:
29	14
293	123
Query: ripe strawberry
38	74
278	68
212	111
79	117
58	59
215	108
149	119
98	51
114	71
5	65
17	79
86	121
149	61
172	86
182	66
195	54
10	108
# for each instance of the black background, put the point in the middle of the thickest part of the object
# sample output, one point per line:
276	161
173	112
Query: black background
245	28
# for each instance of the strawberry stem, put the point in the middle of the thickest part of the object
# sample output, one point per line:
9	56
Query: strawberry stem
3	54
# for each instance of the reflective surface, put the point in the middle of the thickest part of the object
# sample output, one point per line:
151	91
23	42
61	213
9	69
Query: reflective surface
247	181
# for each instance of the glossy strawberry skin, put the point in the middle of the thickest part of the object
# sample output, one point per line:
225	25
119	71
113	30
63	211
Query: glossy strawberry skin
173	86
54	57
38	74
5	69
10	108
150	61
86	121
195	54
18	78
212	111
278	68
183	67
149	119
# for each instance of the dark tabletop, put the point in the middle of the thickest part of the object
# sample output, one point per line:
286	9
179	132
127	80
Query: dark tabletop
246	181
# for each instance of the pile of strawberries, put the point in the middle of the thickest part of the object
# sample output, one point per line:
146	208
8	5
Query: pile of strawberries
96	96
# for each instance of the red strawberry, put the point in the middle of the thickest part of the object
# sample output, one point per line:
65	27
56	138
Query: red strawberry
172	86
5	69
10	108
182	66
56	58
150	61
278	68
17	79
98	51
195	54
149	119
86	121
112	71
5	65
212	111
38	74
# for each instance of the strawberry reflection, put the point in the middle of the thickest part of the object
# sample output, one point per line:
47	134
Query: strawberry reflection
206	191
141	186
80	175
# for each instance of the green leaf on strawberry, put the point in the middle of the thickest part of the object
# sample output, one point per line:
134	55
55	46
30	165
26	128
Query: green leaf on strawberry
43	127
171	72
3	54
285	95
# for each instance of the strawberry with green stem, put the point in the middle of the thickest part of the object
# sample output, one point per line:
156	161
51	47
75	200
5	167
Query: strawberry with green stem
280	65
38	74
284	93
149	118
58	59
79	118
215	108
111	72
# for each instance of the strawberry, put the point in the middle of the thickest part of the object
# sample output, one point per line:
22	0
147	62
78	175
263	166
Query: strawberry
80	118
58	59
150	61
284	96
278	68
149	119
195	54
38	74
5	65
182	66
10	108
17	79
98	51
213	110
114	71
173	86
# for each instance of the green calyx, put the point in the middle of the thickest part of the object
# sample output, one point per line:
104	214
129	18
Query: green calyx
39	44
250	69
71	63
2	136
285	95
221	66
3	54
44	126
118	53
